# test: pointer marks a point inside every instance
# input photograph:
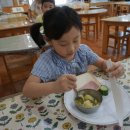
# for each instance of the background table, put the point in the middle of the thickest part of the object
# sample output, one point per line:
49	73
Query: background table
13	17
49	113
114	21
14	28
17	45
95	13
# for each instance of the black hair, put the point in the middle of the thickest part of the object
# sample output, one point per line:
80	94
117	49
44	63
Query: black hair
51	1
36	35
60	20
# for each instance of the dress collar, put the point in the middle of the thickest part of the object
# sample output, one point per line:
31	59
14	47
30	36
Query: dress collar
59	61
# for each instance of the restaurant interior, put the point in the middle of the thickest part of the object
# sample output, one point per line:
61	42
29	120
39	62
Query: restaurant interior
105	29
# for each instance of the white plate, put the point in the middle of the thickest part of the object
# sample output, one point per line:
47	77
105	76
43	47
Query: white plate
105	115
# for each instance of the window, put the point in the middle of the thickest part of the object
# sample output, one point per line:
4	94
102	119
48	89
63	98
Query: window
60	2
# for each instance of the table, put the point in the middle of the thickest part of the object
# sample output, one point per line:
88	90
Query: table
14	28
23	8
17	44
122	3
114	21
20	44
94	7
118	7
13	17
49	113
95	13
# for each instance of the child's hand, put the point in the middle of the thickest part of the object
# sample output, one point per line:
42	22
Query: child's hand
65	83
116	70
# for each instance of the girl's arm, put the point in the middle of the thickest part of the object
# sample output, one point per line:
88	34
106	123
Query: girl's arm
116	70
101	63
34	88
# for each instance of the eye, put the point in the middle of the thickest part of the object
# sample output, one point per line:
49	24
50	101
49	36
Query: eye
62	44
51	7
76	41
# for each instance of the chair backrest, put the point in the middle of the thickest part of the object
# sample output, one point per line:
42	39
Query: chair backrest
124	8
36	35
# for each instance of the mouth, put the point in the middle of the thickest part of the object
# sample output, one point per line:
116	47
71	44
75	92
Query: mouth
70	56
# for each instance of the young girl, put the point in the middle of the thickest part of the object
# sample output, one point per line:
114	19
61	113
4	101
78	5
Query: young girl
36	30
45	6
55	70
35	9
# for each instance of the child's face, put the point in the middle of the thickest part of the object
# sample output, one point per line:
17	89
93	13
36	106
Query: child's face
47	6
68	44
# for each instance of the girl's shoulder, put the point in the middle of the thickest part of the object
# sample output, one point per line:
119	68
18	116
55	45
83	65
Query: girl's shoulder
46	54
84	49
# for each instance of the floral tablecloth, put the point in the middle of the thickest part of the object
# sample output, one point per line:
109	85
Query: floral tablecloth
49	113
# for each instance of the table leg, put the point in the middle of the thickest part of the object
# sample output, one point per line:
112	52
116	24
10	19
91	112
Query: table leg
100	24
128	47
105	38
97	27
9	75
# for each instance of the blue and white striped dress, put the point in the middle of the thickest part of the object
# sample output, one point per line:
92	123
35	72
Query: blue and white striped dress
50	65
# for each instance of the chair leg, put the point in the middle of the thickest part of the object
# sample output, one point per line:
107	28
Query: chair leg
118	46
94	28
87	31
107	42
127	45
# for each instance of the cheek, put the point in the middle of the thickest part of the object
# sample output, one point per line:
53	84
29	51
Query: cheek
61	50
44	9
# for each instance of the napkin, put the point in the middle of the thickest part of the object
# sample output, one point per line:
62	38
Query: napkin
117	96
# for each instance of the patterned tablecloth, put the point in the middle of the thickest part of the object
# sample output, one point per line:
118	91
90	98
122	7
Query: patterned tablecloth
49	113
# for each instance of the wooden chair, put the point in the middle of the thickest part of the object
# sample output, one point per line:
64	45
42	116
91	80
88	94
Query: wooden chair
120	37
124	9
118	10
89	25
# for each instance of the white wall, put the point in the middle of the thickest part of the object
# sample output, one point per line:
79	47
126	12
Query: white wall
95	1
5	3
60	2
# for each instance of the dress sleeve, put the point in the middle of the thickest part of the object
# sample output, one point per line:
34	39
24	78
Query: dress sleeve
91	56
41	69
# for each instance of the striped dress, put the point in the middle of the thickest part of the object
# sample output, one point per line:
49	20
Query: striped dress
50	65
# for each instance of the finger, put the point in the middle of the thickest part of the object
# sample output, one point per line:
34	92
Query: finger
71	77
118	72
73	85
121	73
115	66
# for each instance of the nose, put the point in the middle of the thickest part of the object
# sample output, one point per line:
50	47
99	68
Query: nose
71	49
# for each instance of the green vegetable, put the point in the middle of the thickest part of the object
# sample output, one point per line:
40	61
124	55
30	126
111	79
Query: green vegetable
104	90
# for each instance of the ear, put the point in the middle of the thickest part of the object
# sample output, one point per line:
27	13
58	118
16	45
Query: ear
47	39
50	42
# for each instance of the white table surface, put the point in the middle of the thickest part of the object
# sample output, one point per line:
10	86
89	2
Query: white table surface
123	18
19	43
